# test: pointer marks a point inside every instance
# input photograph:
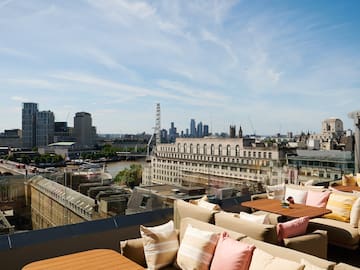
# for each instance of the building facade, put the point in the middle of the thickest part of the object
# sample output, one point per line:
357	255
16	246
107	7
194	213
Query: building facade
11	138
52	204
45	128
84	132
321	166
219	162
29	113
37	127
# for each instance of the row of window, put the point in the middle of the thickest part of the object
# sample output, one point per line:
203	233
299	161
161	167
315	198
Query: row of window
219	152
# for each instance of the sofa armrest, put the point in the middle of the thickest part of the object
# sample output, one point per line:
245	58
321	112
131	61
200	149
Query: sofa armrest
134	250
314	243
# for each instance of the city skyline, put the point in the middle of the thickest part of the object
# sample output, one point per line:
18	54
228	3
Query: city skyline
267	66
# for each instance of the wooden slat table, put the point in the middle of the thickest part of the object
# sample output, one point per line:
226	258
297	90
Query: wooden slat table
294	210
95	259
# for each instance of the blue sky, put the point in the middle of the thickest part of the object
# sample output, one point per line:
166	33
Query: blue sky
269	66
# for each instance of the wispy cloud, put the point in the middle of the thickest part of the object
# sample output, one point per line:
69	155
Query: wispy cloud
32	83
15	52
207	36
19	99
192	92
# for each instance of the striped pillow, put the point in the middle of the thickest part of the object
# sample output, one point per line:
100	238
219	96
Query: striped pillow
196	249
340	205
160	245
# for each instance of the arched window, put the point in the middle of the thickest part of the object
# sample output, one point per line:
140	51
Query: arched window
228	150
237	150
212	149
204	149
220	149
178	147
191	148
198	149
185	146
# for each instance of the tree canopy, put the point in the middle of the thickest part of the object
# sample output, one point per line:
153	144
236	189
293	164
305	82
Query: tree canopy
130	176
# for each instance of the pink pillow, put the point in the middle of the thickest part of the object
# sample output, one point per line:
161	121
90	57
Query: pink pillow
231	254
292	228
317	198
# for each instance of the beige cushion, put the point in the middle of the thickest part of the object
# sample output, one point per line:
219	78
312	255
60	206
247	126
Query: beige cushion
134	250
260	219
310	266
263	232
355	213
208	205
344	266
160	245
207	227
184	209
348	180
314	243
288	254
357	179
274	219
340	205
339	233
262	260
196	249
204	202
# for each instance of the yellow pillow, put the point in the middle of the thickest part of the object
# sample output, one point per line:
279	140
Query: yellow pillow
348	180
340	205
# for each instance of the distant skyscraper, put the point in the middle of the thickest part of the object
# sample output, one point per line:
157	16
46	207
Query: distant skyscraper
45	128
192	128
163	136
206	130
37	127
187	132
29	113
172	133
83	130
199	130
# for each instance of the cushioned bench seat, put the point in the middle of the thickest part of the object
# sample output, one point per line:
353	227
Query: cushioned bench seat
339	233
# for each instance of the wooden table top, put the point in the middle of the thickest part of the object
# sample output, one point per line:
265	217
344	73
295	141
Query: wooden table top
294	211
346	188
94	259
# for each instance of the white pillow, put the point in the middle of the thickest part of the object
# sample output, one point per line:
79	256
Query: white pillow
196	249
208	205
260	219
275	192
299	195
160	245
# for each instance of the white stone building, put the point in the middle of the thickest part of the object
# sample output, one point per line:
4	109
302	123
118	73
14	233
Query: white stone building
219	162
